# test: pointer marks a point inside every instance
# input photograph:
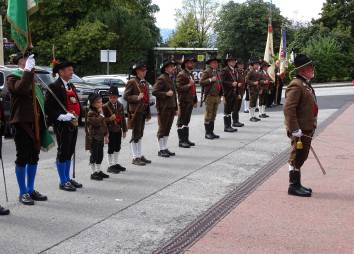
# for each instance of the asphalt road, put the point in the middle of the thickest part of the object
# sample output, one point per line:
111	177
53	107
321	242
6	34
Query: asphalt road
136	211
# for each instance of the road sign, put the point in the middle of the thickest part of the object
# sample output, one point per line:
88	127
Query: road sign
108	56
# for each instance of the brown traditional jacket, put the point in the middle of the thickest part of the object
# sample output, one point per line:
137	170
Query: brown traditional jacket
252	77
241	78
163	102
300	109
120	123
131	93
229	76
186	94
96	125
211	86
21	98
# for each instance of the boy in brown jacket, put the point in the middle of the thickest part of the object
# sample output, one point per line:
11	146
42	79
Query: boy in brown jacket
113	110
97	135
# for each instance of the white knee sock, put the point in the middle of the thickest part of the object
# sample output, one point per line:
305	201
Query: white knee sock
115	157
98	167
134	149
251	112
161	142
165	141
110	159
93	168
246	105
139	153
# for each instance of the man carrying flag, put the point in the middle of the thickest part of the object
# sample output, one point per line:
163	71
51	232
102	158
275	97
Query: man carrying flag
27	111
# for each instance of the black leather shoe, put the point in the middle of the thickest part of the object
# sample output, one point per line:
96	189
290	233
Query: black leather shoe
67	187
265	115
120	167
209	136
296	190
184	144
257	110
138	162
103	175
257	119
253	119
190	143
36	196
143	159
26	199
215	136
163	153
95	176
170	153
113	169
76	184
238	124
4	211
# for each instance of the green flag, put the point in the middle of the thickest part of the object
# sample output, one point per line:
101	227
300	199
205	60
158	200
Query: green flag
18	12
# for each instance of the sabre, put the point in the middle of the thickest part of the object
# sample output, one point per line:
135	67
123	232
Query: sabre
318	160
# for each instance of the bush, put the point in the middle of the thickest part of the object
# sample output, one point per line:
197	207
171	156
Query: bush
329	60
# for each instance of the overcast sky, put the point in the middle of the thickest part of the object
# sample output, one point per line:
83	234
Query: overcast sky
299	10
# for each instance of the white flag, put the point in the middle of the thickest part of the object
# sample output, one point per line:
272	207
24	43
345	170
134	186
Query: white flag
269	51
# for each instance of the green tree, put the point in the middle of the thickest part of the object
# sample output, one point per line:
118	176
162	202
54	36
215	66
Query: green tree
185	35
195	20
242	28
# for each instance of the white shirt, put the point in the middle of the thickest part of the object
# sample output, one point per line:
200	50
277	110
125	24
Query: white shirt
65	83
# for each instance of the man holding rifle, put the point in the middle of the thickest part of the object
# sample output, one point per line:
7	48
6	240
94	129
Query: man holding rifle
137	95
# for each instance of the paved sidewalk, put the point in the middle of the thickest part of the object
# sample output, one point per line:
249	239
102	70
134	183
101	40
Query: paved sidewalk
270	221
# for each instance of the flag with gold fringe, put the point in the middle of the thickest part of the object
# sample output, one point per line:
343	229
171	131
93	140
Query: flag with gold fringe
269	51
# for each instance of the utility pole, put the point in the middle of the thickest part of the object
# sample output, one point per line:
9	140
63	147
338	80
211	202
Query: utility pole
1	44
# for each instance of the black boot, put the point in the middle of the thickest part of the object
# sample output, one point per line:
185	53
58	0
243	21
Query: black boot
4	211
182	139
163	153
212	130
187	136
208	133
295	188
305	188
235	120
227	124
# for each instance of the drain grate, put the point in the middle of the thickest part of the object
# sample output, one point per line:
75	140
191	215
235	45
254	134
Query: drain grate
195	230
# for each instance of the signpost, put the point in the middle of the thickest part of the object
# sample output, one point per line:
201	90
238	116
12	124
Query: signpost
1	44
108	56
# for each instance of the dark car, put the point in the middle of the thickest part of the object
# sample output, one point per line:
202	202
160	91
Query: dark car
44	75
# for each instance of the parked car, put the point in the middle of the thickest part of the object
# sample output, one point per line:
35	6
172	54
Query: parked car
44	73
118	80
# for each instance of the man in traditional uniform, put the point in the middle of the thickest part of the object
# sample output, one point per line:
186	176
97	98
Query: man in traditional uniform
63	110
212	85
230	87
28	120
187	99
241	76
265	86
252	80
300	111
166	103
137	95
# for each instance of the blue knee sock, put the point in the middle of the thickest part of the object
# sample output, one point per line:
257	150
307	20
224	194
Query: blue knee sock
21	179
67	170
61	167
31	175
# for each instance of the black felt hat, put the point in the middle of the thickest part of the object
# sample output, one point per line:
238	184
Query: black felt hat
113	90
59	64
138	65
213	57
302	60
187	58
93	97
230	56
167	63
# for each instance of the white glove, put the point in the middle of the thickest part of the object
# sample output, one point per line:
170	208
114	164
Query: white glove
30	63
66	117
297	133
